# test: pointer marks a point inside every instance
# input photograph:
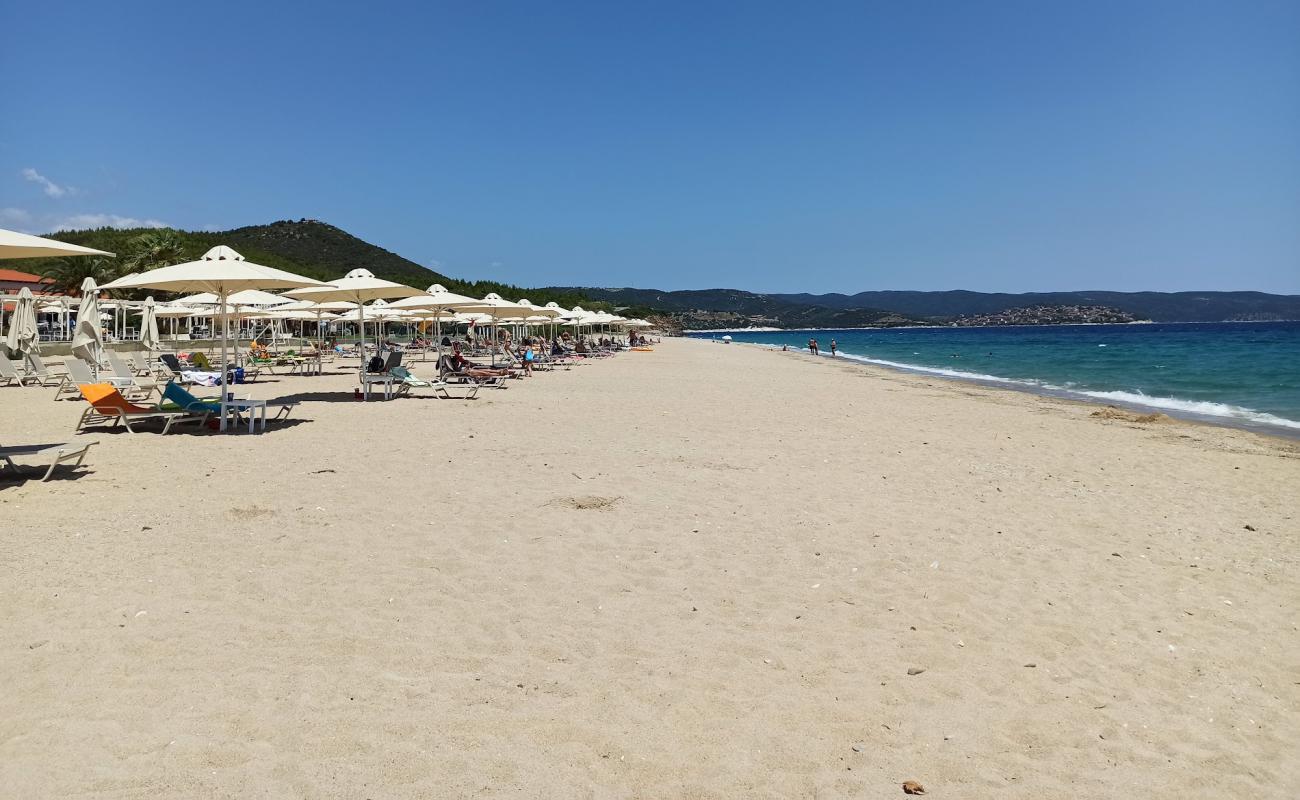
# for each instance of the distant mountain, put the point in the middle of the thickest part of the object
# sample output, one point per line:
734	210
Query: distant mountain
730	308
1156	306
946	306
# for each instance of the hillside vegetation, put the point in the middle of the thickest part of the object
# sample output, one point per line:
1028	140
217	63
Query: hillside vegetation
305	247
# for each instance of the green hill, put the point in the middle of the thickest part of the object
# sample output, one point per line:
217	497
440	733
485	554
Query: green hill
315	249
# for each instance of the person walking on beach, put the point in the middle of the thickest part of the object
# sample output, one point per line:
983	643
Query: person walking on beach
812	346
832	347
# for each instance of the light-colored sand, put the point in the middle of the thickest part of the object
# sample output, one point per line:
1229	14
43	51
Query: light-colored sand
699	572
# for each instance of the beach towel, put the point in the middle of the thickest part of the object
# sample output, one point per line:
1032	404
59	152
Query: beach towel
201	378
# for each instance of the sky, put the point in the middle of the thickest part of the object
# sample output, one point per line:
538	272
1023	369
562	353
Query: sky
774	147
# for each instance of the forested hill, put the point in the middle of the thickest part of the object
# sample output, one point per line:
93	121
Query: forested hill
307	247
1156	306
944	306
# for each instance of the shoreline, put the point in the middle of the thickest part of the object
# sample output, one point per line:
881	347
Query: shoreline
1263	428
1008	384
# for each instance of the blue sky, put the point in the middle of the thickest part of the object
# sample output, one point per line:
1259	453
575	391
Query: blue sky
1007	146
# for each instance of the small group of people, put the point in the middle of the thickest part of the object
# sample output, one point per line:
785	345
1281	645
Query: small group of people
816	350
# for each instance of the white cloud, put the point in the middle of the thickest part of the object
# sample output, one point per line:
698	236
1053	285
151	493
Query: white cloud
79	221
20	219
15	217
50	188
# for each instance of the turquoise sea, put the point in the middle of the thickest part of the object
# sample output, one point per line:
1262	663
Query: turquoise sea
1243	374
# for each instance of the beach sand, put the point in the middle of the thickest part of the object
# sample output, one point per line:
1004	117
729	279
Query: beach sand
705	571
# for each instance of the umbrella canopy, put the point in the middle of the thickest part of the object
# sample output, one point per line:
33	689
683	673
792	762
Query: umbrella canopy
308	305
23	335
88	338
247	297
435	297
223	271
23	245
149	338
541	311
493	305
377	310
300	315
359	286
164	311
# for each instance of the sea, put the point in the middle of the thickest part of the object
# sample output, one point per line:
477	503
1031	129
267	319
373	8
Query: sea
1244	374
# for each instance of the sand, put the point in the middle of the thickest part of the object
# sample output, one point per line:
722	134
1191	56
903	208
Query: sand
706	571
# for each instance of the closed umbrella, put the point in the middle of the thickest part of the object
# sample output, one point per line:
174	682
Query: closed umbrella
224	272
149	338
88	336
24	338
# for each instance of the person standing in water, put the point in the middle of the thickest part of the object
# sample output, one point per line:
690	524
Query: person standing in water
812	346
832	347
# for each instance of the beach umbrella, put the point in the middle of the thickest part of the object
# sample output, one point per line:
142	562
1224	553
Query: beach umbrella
149	338
23	337
23	245
149	324
88	337
495	307
170	311
360	286
223	272
321	310
247	297
435	298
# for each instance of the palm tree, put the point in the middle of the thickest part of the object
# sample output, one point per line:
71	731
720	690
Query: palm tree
153	249
68	273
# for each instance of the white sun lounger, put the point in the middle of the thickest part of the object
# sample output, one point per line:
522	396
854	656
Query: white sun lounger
62	452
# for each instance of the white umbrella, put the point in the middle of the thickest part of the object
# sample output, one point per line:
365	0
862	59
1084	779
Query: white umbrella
23	335
166	310
149	338
247	297
321	310
359	286
23	245
88	337
435	298
222	271
495	307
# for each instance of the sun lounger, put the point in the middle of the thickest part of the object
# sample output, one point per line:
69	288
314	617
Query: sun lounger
10	374
384	376
62	452
124	371
470	374
81	374
108	405
409	381
37	365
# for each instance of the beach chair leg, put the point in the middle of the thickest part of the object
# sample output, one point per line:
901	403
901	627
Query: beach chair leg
122	418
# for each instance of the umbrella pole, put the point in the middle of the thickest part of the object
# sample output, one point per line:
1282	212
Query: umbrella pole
361	314
225	334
